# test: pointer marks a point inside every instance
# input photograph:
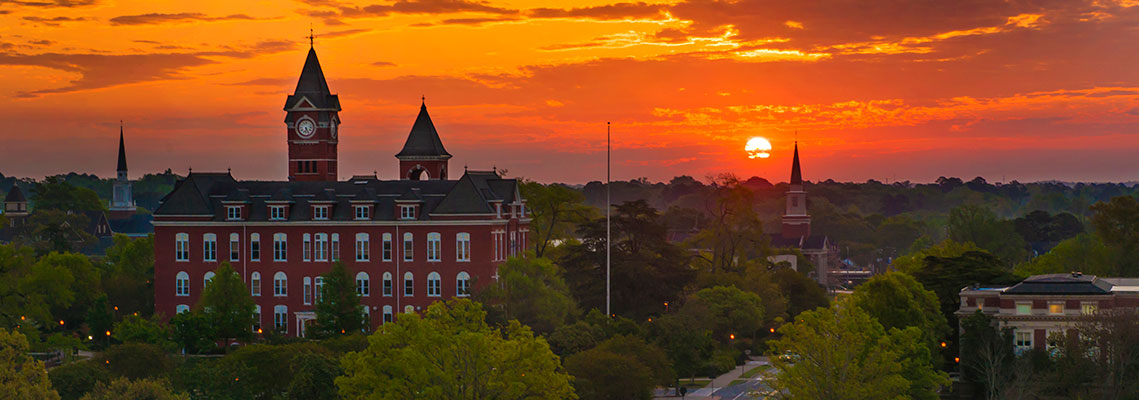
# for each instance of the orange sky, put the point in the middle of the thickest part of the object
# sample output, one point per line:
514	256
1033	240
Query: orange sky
882	89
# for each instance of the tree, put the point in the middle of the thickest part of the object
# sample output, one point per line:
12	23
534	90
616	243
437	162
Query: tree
314	377
1116	222
55	193
61	286
986	354
981	226
136	361
735	233
136	329
840	352
575	338
686	338
802	293
604	375
100	318
1040	226
1084	253
268	371
192	332
75	379
338	310
144	389
21	376
555	211
451	353
128	274
52	230
1111	339
912	262
532	291
897	300
646	354
227	306
730	311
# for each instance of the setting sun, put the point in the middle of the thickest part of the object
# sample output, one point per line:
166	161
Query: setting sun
758	147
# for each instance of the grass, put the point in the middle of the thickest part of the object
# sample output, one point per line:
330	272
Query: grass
738	381
751	373
699	383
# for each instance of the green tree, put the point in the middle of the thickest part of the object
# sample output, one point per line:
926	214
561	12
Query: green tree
979	225
61	286
734	233
314	377
1116	223
192	332
55	193
144	389
555	211
574	338
228	306
912	262
75	379
1084	253
15	262
21	376
730	311
136	329
840	352
986	354
897	300
530	290
270	371
100	319
136	361
686	338
646	354
604	375
338	310
128	275
802	293
52	230
451	353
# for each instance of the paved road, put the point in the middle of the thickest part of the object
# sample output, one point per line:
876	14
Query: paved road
721	388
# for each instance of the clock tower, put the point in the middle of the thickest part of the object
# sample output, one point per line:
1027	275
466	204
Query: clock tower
313	122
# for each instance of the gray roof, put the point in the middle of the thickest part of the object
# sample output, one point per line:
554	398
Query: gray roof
423	141
1061	284
313	86
15	195
204	194
135	225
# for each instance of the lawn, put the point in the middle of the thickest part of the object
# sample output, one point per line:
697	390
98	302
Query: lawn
751	373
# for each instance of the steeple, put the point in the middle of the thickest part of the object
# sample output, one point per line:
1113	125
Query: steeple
313	86
423	151
122	203
122	151
796	176
796	222
312	121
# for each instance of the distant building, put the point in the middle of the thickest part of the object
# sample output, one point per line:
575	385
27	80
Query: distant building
1043	305
15	207
795	232
122	205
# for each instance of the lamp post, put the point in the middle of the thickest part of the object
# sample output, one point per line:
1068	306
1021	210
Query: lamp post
608	206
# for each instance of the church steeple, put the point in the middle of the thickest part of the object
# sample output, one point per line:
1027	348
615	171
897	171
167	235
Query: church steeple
312	121
796	222
423	152
122	202
796	176
122	168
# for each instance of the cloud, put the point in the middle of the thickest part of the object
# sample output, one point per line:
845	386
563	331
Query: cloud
383	64
618	11
477	21
162	18
347	32
281	82
53	21
422	7
51	3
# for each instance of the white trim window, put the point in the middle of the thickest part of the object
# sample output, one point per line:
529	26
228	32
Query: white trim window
513	243
1023	340
207	278
182	284
362	245
408	247
387	314
408	309
307	290
255	284
234	247
363	284
406	212
255	247
319	288
321	247
463	284
463	247
387	284
1088	308
387	249
209	247
182	247
320	213
277	213
1024	308
281	318
408	284
233	213
280	247
362	212
280	284
306	247
181	308
256	318
434	245
335	247
434	285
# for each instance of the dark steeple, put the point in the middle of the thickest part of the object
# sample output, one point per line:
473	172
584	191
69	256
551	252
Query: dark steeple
423	141
15	195
122	150
313	85
796	176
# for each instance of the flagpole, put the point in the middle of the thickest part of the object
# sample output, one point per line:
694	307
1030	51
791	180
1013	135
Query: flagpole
608	206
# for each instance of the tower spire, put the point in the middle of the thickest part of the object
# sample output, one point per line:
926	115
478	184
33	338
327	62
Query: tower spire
122	150
310	36
796	176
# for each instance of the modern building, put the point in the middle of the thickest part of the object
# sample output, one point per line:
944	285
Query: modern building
408	242
795	232
1043	305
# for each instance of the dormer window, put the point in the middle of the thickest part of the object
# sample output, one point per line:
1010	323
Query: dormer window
362	212
233	212
277	213
320	213
407	212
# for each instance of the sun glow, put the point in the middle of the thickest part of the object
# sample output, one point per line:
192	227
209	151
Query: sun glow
758	147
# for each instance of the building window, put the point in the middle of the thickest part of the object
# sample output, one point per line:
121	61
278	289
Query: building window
1056	308
433	240
463	247
256	319
277	213
1023	308
387	314
1088	308
234	247
335	247
434	285
407	212
513	243
206	278
408	309
387	250
306	247
1023	340
233	212
182	284
408	284
321	247
182	247
320	213
181	308
255	247
362	244
280	247
281	319
255	284
319	292
280	285
308	290
209	247
361	212
408	247
463	284
363	284
387	284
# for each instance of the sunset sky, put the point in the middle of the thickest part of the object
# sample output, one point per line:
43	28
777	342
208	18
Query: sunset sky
876	89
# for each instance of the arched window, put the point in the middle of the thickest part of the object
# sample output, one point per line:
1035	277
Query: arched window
362	245
408	284
434	284
181	308
319	288
335	247
234	247
306	247
387	284
408	247
387	314
255	247
209	247
387	249
463	284
408	309
322	247
462	246
281	318
280	247
255	284
207	278
182	247
308	290
363	286
256	318
433	246
182	284
280	284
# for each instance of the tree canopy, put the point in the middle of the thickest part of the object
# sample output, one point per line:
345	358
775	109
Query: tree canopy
532	291
228	306
338	309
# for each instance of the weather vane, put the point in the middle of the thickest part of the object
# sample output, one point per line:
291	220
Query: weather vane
310	35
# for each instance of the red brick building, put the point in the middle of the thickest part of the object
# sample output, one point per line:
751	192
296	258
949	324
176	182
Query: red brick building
408	242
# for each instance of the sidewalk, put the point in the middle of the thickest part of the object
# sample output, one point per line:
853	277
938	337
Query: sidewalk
719	388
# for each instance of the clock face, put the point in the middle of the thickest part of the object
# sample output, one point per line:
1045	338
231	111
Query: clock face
305	128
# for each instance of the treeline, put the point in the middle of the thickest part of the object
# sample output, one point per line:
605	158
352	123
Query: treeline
146	191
